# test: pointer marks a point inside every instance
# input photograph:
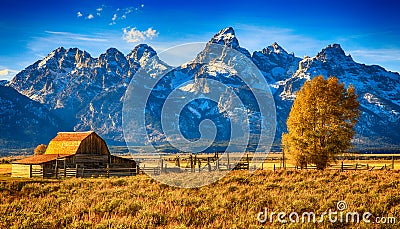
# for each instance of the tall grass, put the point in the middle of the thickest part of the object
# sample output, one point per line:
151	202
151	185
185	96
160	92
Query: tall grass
233	202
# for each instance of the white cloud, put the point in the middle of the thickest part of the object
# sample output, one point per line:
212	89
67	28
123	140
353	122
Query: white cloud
134	35
142	5
79	14
4	72
99	11
76	36
151	33
90	16
122	14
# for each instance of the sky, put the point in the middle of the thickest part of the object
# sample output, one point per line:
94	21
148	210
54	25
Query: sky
368	30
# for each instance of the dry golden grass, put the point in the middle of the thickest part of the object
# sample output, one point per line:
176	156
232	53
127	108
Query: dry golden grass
5	169
233	202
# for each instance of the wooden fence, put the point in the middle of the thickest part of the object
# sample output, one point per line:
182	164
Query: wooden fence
89	173
209	163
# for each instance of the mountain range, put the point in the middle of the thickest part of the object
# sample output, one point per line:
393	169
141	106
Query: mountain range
69	90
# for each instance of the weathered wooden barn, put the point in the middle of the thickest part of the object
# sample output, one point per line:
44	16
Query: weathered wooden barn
75	154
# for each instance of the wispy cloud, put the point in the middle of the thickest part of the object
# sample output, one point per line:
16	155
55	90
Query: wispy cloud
114	19
6	73
90	16
99	10
257	37
377	54
79	14
134	35
387	58
76	36
122	14
3	72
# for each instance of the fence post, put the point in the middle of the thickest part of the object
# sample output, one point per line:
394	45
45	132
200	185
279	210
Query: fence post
65	168
274	167
56	169
161	165
208	164
199	164
30	171
191	163
227	156
83	172
108	170
76	170
178	162
248	161
342	167
356	165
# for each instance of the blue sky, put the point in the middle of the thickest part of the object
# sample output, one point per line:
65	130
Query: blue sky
368	30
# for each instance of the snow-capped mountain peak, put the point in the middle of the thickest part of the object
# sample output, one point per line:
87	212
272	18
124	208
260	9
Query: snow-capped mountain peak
226	37
87	93
141	54
274	48
333	52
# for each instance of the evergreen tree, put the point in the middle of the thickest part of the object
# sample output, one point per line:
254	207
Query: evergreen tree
321	122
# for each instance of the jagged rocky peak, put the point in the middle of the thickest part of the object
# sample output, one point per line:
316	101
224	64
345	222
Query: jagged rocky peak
333	52
112	58
226	37
274	48
140	53
113	54
63	59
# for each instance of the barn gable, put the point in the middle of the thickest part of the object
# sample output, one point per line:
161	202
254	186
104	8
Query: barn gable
66	143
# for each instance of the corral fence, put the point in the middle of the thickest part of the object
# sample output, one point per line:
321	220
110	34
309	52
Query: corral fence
210	162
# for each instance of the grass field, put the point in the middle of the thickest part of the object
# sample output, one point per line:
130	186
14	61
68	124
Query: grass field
232	202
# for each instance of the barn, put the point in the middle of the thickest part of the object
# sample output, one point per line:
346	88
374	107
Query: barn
74	154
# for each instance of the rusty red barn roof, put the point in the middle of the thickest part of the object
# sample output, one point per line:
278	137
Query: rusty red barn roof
39	159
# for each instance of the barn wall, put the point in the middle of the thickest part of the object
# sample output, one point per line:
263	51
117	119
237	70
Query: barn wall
91	158
37	171
93	144
20	170
120	162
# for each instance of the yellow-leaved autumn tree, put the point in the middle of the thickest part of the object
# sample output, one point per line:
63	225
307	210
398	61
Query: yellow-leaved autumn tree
40	149
321	122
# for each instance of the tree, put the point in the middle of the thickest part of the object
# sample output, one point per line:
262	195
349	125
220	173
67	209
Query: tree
40	149
321	122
